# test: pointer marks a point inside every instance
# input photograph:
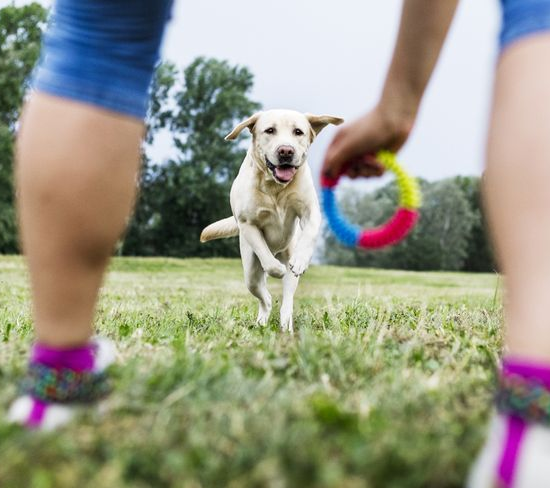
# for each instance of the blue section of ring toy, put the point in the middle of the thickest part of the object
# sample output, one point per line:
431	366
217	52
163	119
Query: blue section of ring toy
347	234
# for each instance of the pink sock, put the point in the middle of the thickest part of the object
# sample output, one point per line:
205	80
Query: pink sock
516	426
78	359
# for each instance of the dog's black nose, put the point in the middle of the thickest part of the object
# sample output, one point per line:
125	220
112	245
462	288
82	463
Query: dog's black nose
286	153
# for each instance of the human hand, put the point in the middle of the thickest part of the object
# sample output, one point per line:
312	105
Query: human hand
354	147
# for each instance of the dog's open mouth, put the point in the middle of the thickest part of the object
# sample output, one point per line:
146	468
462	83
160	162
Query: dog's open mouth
282	173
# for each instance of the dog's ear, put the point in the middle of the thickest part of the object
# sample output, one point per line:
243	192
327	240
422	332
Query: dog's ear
319	122
243	125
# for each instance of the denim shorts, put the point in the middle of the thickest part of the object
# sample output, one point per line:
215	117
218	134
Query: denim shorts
521	18
103	52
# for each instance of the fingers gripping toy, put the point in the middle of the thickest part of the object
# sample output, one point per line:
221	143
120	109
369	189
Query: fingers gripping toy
395	229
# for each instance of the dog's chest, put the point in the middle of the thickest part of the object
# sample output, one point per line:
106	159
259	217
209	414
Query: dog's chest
277	221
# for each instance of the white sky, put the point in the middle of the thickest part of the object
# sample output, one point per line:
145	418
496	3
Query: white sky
323	56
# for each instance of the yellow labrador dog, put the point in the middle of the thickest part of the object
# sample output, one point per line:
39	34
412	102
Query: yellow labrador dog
275	207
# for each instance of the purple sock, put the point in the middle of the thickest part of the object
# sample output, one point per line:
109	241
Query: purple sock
516	427
78	359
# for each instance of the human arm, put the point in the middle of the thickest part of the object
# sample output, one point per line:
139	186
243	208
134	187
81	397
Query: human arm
422	32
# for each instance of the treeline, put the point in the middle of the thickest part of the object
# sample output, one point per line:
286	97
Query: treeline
20	32
450	234
179	196
193	109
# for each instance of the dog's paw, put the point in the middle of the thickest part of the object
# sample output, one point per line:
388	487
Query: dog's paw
287	324
298	265
276	270
263	316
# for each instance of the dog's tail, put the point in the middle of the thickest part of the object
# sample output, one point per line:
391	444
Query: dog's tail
220	230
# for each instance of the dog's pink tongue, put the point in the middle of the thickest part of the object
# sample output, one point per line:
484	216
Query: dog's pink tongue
285	173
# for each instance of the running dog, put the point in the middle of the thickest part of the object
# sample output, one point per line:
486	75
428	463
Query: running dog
275	207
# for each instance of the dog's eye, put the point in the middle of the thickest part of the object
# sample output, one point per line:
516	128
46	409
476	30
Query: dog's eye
298	132
270	130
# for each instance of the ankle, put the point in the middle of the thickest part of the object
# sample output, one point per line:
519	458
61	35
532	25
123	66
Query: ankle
77	359
524	390
522	399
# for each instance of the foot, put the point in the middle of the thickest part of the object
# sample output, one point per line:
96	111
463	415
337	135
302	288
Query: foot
287	324
263	316
36	413
532	465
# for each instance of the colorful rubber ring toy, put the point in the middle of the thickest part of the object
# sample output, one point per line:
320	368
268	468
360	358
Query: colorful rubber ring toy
395	229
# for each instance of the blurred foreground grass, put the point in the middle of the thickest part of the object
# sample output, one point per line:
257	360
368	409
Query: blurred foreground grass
385	384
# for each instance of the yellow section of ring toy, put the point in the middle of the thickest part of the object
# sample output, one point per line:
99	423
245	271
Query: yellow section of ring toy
409	193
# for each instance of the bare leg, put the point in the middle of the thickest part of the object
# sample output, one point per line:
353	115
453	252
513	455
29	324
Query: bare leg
518	200
255	279
76	179
518	193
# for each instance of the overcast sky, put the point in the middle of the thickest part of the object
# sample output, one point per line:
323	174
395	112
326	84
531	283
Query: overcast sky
324	56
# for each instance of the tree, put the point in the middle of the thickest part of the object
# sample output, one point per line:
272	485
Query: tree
182	195
480	255
20	33
440	241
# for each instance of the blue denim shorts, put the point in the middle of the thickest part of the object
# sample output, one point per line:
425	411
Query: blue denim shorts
103	52
521	18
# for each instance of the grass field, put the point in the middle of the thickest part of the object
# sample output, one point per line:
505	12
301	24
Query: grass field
386	382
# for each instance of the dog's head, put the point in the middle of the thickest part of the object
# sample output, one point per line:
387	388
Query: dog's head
281	139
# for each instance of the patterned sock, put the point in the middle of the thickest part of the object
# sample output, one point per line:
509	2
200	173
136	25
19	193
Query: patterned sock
59	382
54	372
523	398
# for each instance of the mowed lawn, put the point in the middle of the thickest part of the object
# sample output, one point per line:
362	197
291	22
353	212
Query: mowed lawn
386	383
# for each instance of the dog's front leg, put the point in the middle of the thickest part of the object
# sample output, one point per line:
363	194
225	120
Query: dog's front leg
271	265
303	251
290	283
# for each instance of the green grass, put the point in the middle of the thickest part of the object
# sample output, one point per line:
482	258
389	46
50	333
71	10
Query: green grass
386	383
